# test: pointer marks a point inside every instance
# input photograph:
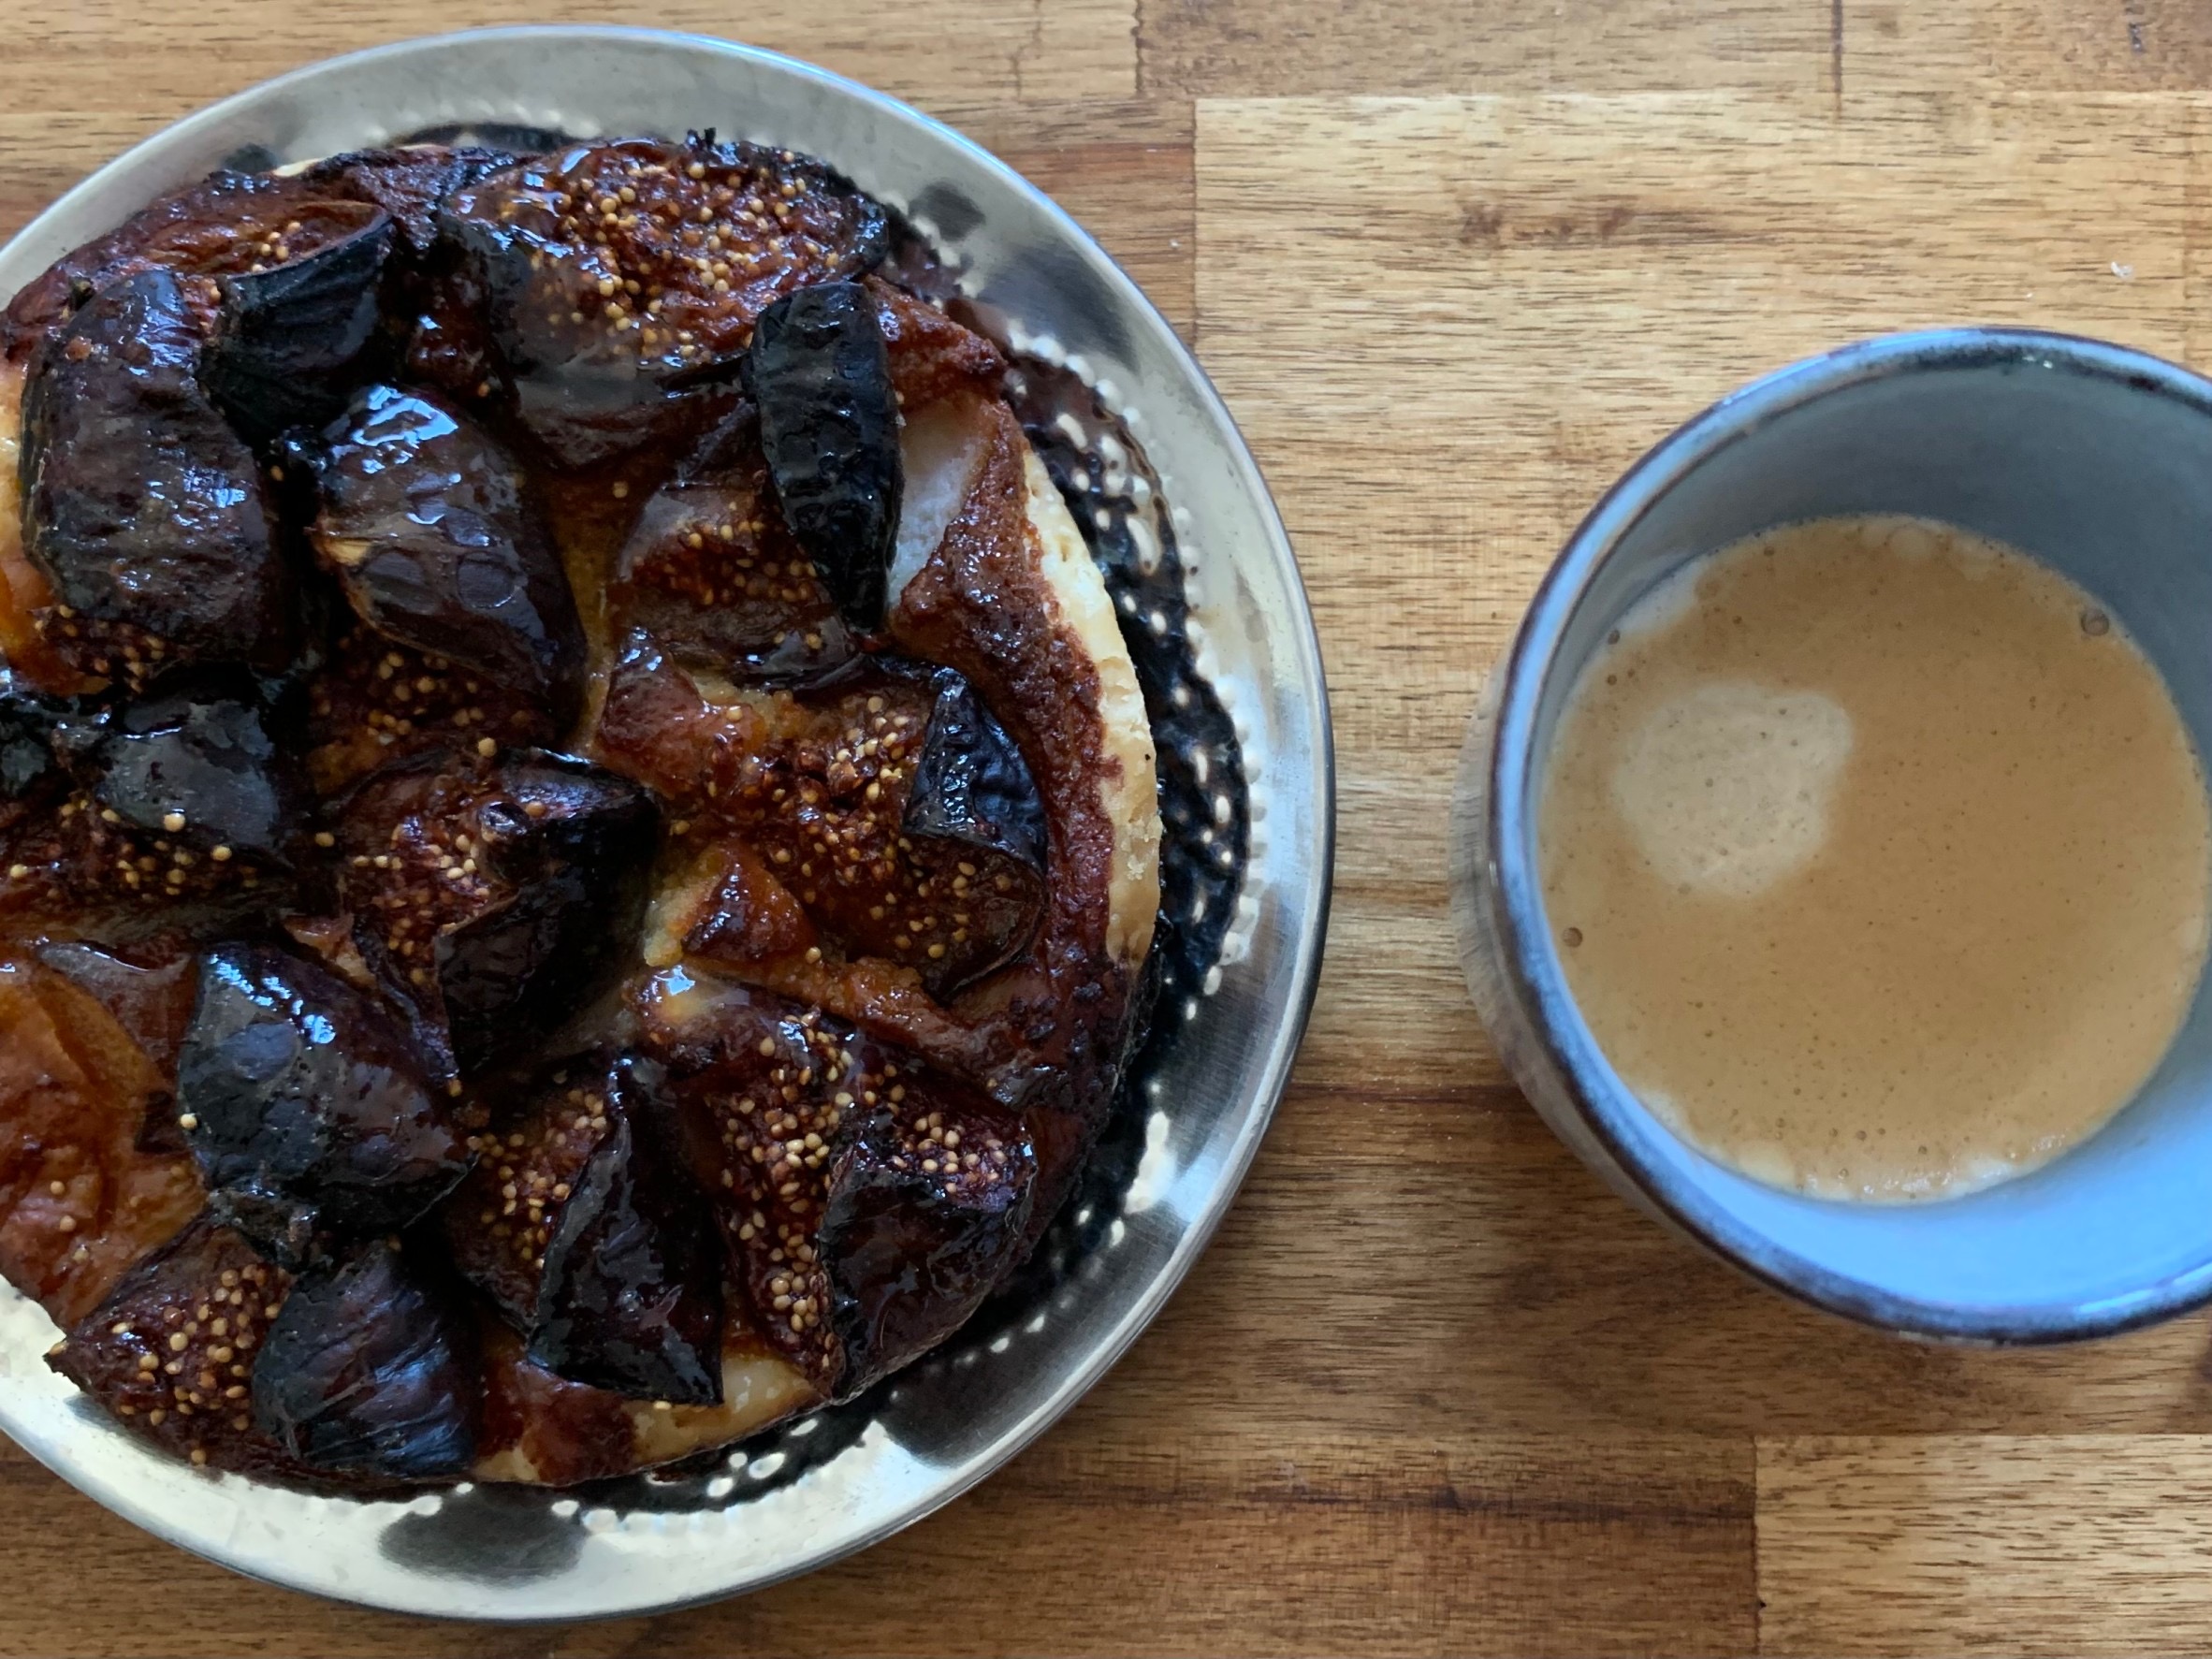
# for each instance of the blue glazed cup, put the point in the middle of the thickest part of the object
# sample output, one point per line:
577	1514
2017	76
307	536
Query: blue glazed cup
2097	460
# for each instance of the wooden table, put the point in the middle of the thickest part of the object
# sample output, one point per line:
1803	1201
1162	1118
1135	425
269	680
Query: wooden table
1454	263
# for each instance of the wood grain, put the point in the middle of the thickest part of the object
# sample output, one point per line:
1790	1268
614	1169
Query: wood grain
1434	1389
2030	45
1254	48
1996	1544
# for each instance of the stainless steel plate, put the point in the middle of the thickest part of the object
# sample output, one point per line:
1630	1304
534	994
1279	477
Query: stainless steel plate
846	1477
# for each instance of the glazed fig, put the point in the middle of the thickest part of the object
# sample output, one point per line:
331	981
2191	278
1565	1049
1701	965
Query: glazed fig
891	805
829	424
629	1291
709	572
306	1106
914	1234
624	279
491	896
867	1203
288	337
197	761
369	1371
430	531
226	223
171	1351
143	508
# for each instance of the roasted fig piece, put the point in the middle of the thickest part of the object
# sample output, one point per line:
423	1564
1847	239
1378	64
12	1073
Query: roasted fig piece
921	1221
618	275
434	308
375	704
288	335
710	572
172	1351
629	1292
536	1143
829	425
408	182
143	508
492	896
369	1371
893	805
227	222
429	528
146	990
195	762
975	825
82	1195
306	1106
74	866
866	1202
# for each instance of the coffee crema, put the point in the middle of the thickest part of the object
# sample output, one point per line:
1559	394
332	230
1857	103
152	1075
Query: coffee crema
1879	858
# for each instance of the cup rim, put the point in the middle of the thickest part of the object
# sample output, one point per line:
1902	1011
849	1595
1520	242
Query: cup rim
1629	1134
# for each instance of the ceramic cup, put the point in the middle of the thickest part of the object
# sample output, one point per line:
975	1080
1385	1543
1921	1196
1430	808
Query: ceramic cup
2098	460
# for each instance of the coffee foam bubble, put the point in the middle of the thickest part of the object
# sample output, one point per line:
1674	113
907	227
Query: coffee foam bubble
1727	786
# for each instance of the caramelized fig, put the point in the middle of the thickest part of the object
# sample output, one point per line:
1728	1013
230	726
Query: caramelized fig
306	1106
369	1371
429	528
829	424
710	572
538	1138
82	1195
492	896
288	335
975	825
71	865
628	1297
225	224
195	761
434	307
408	182
143	508
375	702
921	1221
892	804
621	276
866	1202
172	1351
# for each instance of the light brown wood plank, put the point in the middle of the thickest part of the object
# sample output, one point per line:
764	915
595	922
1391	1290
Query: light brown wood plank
2035	45
2026	1544
1267	48
1123	170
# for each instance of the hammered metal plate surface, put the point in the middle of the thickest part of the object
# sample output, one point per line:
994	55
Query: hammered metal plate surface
1178	513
